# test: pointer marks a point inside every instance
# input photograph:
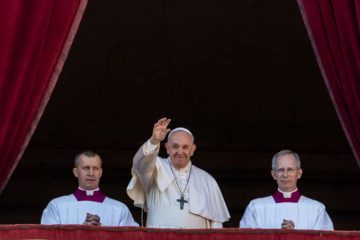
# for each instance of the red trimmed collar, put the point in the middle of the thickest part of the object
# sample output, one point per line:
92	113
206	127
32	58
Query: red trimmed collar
279	197
98	196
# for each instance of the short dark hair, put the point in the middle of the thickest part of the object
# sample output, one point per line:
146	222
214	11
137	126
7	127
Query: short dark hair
87	153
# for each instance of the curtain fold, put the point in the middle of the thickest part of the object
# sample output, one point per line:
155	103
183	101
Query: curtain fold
35	40
334	30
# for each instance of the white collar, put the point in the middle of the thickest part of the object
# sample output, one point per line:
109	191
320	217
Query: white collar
89	192
184	169
287	194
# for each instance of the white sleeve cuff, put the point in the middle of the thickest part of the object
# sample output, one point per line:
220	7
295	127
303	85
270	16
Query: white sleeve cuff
149	148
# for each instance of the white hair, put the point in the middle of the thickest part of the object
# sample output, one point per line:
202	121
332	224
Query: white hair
180	129
285	152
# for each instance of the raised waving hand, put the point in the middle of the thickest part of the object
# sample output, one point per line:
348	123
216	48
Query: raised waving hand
160	130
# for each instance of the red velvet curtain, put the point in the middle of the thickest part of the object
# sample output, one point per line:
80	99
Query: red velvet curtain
334	29
35	36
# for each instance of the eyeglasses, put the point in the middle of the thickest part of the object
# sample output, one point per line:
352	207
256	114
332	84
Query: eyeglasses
281	171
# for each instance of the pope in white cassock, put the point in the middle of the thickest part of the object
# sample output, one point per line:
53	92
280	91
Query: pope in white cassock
87	205
174	192
286	208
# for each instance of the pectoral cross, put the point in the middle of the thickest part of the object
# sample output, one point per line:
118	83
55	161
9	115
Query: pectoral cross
181	200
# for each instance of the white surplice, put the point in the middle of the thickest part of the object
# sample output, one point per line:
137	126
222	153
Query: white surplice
68	210
306	214
153	187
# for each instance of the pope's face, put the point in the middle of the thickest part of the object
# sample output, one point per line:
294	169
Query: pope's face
286	173
88	172
180	148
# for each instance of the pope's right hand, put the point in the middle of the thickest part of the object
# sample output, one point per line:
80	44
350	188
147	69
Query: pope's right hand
160	130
